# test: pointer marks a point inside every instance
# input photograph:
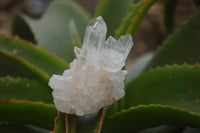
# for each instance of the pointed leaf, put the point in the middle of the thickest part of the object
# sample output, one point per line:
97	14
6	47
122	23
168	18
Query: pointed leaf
145	116
52	31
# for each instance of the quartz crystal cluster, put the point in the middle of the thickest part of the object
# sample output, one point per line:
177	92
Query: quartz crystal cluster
95	78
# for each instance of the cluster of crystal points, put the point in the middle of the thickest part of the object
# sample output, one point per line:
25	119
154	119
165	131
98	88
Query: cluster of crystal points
95	78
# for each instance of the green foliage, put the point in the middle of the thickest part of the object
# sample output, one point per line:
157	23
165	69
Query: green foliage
164	99
13	66
33	113
24	89
35	56
176	85
52	30
145	116
182	46
135	15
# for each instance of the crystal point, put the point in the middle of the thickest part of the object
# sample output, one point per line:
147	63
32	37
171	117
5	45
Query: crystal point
95	34
110	43
126	43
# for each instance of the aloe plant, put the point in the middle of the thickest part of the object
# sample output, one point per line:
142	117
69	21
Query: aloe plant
163	97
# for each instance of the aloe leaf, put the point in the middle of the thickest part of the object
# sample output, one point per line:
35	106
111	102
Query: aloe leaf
52	31
20	128
169	14
135	15
21	28
182	46
145	116
176	85
33	55
24	89
13	66
112	12
33	113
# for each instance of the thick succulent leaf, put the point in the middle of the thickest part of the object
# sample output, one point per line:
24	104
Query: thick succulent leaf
33	55
176	85
33	113
182	46
14	66
146	116
112	12
169	14
52	31
135	15
24	89
20	128
20	28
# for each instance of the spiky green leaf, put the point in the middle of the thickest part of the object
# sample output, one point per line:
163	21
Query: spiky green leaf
176	85
182	46
145	116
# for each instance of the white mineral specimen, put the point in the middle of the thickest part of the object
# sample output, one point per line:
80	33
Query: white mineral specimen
95	78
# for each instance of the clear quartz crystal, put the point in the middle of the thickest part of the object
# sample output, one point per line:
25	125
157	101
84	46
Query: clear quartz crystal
95	78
